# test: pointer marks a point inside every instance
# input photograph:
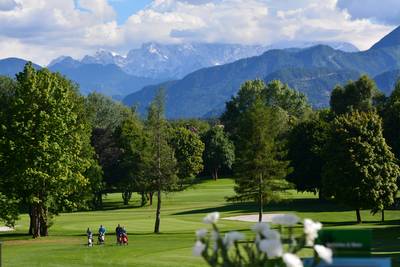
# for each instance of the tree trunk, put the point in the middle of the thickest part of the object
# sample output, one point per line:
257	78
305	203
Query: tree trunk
358	216
320	195
151	198
260	200
158	218
35	221
383	215
44	228
44	222
98	200
215	174
143	199
126	196
30	221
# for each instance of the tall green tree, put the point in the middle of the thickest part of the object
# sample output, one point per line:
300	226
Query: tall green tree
9	208
163	166
305	144
42	142
260	167
295	103
134	144
104	112
106	116
355	95
391	120
188	151
108	155
273	94
219	151
360	170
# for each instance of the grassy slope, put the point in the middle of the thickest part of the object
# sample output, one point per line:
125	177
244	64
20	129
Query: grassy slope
181	216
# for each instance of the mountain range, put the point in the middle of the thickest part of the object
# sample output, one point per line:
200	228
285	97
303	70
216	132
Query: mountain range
117	76
314	71
200	78
174	61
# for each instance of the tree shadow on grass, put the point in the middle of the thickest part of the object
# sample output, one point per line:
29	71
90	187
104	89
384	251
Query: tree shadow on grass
117	205
294	205
388	223
387	239
13	234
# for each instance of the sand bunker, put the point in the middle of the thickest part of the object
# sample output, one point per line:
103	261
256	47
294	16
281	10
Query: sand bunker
6	229
267	217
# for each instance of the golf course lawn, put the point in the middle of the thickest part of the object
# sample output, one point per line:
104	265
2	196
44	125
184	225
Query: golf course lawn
181	215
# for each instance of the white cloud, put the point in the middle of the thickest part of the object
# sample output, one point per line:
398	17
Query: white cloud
383	11
53	27
40	30
251	21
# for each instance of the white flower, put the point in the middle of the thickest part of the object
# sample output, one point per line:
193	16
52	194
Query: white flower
260	227
257	239
271	234
285	219
214	235
201	233
272	247
292	260
198	248
232	237
324	253
311	229
211	218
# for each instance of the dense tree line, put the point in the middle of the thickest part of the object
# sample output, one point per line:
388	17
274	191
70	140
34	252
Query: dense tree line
348	153
60	151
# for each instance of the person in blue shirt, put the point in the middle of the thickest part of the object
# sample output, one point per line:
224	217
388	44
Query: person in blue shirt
102	232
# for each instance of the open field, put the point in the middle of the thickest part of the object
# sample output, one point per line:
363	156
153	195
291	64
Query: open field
182	214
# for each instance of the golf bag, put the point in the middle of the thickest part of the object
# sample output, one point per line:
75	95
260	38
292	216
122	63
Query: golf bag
101	239
90	240
123	239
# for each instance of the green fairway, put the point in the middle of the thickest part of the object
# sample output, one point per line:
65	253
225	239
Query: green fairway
181	215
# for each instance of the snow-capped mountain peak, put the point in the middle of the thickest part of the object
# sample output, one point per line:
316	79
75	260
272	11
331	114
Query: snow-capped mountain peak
173	61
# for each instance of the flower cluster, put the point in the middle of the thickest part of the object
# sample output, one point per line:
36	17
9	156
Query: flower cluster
268	248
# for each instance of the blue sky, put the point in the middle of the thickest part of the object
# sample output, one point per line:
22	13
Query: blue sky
125	8
43	30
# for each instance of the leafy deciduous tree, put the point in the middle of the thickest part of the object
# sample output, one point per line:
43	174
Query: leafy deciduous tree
105	116
188	149
219	150
9	210
359	95
306	141
134	159
274	94
360	169
391	120
42	141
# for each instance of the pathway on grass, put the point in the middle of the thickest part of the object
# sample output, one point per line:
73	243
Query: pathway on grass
6	229
267	217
